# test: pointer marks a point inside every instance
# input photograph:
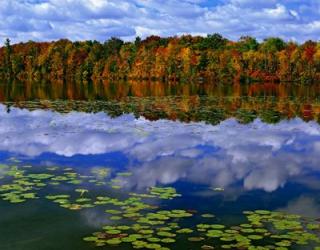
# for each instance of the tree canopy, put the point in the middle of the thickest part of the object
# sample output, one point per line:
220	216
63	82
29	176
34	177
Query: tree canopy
187	57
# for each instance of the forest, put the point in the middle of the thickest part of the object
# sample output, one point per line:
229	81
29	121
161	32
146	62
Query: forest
184	58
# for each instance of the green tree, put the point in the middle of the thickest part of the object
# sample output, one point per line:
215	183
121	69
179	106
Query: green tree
273	44
112	46
7	58
247	43
137	42
215	42
203	62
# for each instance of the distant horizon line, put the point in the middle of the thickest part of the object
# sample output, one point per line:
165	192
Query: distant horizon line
161	37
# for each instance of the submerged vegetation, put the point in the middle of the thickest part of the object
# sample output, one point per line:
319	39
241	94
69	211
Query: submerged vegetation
135	221
174	58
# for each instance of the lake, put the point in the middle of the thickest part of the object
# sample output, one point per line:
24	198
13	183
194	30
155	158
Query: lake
159	166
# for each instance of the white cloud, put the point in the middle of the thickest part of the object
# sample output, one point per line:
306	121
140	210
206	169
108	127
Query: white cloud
259	155
304	205
23	20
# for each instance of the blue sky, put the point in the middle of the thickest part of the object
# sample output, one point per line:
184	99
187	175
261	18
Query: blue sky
43	20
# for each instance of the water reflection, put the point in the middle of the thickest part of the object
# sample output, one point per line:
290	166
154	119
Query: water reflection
260	143
257	156
209	102
303	205
106	90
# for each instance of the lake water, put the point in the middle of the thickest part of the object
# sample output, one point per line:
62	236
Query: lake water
158	166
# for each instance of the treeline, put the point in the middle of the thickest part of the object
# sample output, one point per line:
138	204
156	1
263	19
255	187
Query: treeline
184	58
190	109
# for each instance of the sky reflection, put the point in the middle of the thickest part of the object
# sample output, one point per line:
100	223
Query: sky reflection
256	156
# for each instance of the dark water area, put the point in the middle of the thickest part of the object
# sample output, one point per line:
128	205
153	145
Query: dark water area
212	150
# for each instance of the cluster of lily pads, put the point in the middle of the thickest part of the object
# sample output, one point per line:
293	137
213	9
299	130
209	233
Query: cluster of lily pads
264	230
152	230
166	193
19	184
135	221
22	187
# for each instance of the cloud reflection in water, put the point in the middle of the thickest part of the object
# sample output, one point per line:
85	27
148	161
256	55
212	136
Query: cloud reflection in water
259	155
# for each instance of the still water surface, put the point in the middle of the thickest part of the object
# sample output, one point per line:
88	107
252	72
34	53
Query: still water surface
223	154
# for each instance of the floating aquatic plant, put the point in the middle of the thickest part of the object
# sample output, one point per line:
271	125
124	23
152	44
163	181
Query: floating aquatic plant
135	221
207	216
100	172
124	174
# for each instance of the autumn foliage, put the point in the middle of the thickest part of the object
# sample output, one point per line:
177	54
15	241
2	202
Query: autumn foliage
184	58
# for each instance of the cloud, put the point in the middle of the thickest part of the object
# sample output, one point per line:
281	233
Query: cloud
259	155
95	218
304	205
73	19
23	20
